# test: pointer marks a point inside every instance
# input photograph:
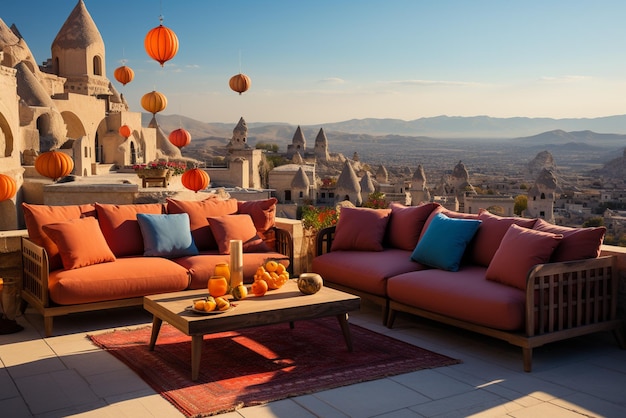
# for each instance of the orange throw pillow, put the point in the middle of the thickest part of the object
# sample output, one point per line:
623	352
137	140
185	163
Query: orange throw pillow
520	250
80	242
263	212
36	216
120	227
228	227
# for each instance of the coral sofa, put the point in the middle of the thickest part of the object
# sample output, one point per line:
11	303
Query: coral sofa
521	280
98	256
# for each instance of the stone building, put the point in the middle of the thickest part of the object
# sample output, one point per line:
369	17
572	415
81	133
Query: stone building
542	195
348	187
419	189
321	146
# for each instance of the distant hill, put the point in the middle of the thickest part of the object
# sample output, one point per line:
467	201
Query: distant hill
478	127
560	137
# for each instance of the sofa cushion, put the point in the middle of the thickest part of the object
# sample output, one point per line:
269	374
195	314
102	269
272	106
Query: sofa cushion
166	235
199	213
444	242
489	235
449	214
236	227
577	243
36	216
406	224
365	271
80	242
202	266
520	250
360	229
120	227
262	212
126	277
464	295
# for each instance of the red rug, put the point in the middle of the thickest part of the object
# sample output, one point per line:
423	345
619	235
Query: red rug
258	365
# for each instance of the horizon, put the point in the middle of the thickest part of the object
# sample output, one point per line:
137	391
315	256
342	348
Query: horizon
328	62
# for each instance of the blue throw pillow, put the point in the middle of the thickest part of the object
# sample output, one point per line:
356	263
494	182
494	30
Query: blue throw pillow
166	235
444	242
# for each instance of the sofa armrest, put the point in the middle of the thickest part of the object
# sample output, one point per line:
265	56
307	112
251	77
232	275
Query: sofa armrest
324	240
36	268
284	245
567	295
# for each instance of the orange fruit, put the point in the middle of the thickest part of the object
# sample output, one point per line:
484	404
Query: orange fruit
222	304
259	287
198	305
280	269
240	292
271	265
209	305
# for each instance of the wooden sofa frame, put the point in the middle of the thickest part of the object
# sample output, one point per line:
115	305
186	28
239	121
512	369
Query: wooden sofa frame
563	300
35	266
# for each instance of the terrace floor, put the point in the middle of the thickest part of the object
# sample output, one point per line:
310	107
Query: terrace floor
66	375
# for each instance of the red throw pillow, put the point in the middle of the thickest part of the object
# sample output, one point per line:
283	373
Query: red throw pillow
80	242
406	224
520	250
36	216
199	213
120	227
490	234
229	227
263	212
577	243
360	229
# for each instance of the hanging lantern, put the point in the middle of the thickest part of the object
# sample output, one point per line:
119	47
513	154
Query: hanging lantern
125	131
8	187
124	74
161	43
240	83
195	179
154	102
180	137
54	164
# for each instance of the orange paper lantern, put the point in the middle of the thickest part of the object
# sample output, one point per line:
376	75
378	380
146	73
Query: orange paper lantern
161	44
195	179
124	74
180	137
154	102
125	131
54	164
8	187
240	83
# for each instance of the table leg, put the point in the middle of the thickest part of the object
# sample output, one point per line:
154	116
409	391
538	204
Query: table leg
156	327
196	352
345	329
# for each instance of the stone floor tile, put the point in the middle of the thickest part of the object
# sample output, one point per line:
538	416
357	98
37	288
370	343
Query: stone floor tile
371	398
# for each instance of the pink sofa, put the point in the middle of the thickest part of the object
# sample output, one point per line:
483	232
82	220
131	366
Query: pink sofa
521	280
98	256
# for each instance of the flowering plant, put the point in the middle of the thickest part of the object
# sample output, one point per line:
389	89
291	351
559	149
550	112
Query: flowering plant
376	200
317	218
174	167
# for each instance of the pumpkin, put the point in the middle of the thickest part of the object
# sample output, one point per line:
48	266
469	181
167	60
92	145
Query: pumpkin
259	287
161	44
195	179
240	83
54	164
8	187
154	102
124	74
310	283
239	292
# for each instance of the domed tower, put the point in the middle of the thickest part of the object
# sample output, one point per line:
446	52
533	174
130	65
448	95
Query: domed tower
321	146
542	195
419	192
348	187
240	136
300	186
367	186
382	176
78	54
298	143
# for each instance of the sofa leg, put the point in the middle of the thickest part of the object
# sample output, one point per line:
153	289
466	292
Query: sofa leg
528	359
391	318
47	325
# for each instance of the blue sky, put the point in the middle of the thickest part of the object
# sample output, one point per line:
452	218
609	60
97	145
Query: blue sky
315	62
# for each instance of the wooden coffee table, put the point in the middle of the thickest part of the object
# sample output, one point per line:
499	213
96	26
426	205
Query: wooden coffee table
286	304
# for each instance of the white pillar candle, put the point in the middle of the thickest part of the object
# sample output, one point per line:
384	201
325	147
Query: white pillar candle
236	262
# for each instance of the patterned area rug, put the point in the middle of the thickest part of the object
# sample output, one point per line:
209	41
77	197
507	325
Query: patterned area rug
258	365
